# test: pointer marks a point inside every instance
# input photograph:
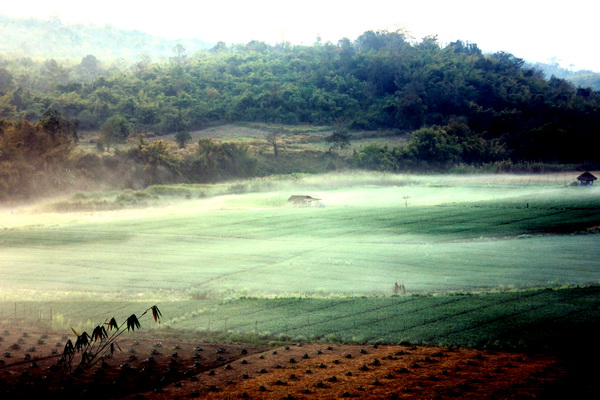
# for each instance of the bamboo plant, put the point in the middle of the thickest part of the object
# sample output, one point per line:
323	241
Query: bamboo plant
101	342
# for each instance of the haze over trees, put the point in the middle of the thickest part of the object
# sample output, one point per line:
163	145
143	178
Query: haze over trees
583	78
459	104
34	157
54	39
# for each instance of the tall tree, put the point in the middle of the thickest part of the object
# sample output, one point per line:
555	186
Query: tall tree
340	138
33	157
55	124
273	138
182	137
115	130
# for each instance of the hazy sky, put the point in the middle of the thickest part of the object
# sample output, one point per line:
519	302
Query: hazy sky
531	29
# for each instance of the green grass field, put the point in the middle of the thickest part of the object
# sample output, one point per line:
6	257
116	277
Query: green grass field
333	267
527	319
513	319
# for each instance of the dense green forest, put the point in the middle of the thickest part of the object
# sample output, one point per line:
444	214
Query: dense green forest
458	104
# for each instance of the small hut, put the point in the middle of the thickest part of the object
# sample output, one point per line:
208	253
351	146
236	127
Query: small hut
303	201
586	179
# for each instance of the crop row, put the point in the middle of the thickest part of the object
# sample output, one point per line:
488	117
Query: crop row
525	318
457	319
504	318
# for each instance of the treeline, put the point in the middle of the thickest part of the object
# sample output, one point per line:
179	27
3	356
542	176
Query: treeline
435	147
43	159
470	106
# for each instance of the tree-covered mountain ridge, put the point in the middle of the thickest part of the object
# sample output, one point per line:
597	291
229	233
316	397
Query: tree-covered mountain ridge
52	38
462	105
583	78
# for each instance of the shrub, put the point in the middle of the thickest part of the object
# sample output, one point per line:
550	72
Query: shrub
168	190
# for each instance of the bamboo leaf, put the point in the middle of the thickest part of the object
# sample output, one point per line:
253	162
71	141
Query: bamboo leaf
99	333
133	323
83	341
112	324
156	314
69	349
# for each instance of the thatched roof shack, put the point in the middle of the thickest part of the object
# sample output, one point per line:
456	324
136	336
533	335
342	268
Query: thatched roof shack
586	179
303	201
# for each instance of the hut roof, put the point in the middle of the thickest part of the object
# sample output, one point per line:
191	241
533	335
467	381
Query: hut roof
586	176
302	198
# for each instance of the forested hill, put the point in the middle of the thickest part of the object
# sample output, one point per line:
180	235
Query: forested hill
583	78
54	39
474	107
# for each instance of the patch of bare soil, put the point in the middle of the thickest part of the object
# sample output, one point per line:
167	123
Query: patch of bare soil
28	365
176	369
326	372
227	131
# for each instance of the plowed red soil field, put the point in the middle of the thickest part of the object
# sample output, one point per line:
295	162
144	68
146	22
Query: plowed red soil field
150	368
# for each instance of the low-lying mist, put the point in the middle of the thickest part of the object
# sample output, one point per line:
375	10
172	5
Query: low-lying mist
365	189
366	232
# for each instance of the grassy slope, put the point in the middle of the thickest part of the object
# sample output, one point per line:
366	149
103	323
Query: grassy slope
532	319
528	318
454	238
361	248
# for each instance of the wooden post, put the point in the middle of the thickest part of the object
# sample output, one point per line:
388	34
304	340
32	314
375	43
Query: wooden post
406	200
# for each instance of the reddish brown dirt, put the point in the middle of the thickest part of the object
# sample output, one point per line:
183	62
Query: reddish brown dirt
174	369
326	372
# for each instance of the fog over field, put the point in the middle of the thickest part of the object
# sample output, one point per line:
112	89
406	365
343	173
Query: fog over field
360	189
433	233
